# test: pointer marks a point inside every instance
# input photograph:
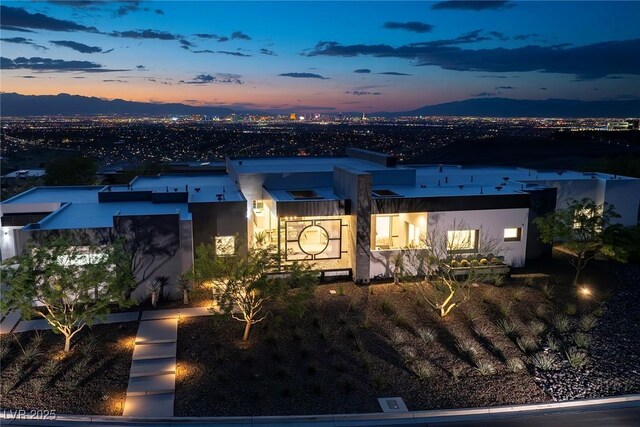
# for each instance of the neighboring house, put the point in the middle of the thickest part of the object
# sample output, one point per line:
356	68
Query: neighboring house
346	215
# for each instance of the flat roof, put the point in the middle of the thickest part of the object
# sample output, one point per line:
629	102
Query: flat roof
100	215
79	194
324	193
301	164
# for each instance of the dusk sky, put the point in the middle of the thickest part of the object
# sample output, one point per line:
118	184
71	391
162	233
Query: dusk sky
322	56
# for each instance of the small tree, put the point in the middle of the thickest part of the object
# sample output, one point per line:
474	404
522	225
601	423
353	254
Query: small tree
581	227
242	284
436	282
74	285
184	286
156	288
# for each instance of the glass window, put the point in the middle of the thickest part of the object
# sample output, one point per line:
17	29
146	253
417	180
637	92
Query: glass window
462	240
512	234
225	245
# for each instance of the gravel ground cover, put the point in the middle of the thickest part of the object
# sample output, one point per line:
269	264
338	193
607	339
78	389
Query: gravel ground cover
91	379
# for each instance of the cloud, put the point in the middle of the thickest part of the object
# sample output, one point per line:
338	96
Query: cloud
493	77
203	51
115	81
498	35
505	87
22	40
586	62
525	36
186	43
212	36
239	35
394	73
226	52
362	93
146	34
17	17
79	47
472	5
158	12
414	26
52	65
9	28
303	76
362	71
29	77
141	67
484	94
201	79
267	52
542	88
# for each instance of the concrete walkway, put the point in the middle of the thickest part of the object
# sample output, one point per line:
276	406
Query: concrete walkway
10	321
130	316
152	380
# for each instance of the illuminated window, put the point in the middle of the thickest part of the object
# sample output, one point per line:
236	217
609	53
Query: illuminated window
225	245
512	234
462	240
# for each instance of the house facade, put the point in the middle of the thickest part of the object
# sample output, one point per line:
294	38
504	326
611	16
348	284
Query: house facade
346	215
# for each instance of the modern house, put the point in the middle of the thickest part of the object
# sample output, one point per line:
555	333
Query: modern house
346	215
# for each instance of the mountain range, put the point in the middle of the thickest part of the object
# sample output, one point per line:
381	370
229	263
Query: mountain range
14	104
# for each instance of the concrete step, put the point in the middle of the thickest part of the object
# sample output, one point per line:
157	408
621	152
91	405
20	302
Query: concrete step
157	331
156	384
147	367
151	405
154	351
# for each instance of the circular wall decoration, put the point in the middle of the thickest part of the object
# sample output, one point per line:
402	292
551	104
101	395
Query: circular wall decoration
313	240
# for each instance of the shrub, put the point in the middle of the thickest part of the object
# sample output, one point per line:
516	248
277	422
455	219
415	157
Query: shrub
552	343
576	358
380	381
570	309
481	330
527	344
498	280
484	261
367	364
544	361
408	354
427	334
4	350
547	291
485	368
475	263
387	308
598	312
587	322
51	367
29	354
397	337
510	329
453	263
358	344
456	372
422	369
402	322
541	311
505	309
39	385
464	263
518	294
495	260
581	340
537	327
466	349
561	322
515	365
89	347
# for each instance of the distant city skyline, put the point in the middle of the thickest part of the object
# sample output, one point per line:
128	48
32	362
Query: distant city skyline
321	56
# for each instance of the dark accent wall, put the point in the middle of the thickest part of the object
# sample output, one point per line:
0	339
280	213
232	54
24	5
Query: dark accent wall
355	186
372	156
448	203
541	202
218	219
154	244
22	219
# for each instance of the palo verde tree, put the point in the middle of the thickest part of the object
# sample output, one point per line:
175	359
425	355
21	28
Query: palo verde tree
71	286
436	282
581	228
242	284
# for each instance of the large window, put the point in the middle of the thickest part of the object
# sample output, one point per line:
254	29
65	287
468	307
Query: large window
405	230
313	239
460	241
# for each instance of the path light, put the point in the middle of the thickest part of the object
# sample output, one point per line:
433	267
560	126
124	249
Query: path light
584	291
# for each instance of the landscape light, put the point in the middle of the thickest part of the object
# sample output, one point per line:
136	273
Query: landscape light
585	291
